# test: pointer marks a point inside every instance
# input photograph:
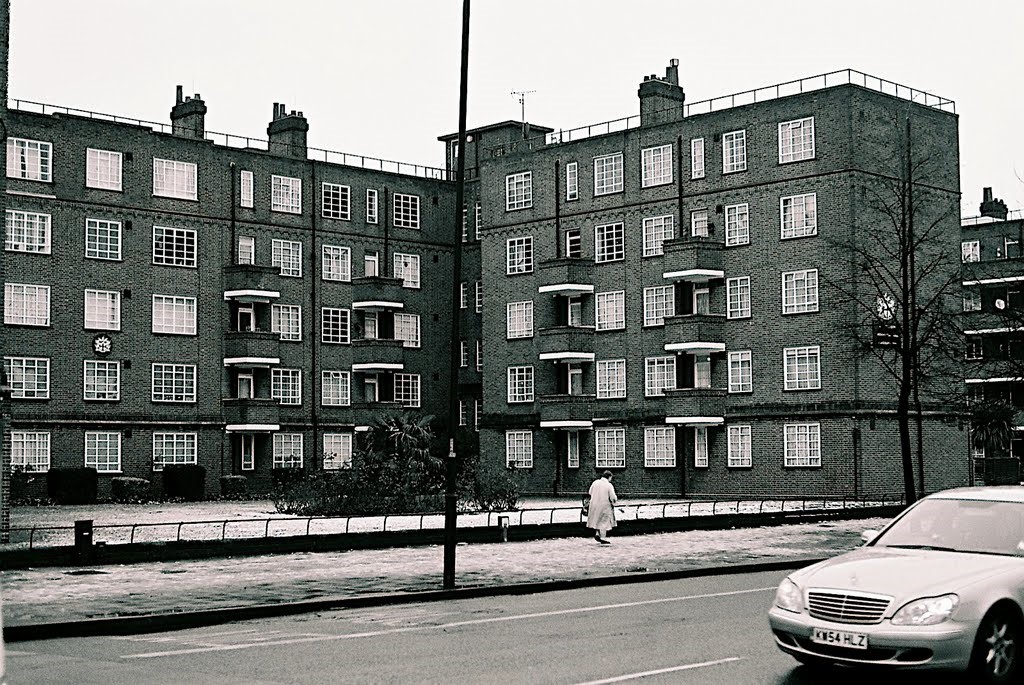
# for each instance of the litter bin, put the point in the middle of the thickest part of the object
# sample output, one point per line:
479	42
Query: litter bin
83	541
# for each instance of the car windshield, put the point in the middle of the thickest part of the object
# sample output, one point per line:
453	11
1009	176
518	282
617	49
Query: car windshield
959	525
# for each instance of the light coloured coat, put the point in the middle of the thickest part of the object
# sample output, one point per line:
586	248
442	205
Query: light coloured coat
601	514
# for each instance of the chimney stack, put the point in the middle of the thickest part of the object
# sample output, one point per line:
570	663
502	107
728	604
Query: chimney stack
992	208
287	133
188	116
661	100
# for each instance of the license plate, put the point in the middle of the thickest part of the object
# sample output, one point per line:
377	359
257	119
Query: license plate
839	638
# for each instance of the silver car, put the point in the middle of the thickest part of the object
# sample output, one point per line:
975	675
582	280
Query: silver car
941	587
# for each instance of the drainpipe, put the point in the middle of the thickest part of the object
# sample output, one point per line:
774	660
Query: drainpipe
315	381
558	211
385	268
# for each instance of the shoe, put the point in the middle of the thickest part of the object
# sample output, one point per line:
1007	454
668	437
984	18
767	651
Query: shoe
603	541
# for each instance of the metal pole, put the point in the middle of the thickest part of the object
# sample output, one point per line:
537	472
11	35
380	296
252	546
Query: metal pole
451	463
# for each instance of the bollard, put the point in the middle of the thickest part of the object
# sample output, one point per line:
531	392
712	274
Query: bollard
83	541
503	524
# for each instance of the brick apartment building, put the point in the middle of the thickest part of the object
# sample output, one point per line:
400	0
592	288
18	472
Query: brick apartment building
651	298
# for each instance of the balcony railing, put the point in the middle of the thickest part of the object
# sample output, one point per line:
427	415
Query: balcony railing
566	408
694	403
252	345
971	272
566	275
251	411
377	292
566	342
379	353
364	413
241	277
692	259
694	328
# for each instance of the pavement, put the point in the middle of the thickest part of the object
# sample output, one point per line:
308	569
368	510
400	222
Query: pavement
51	602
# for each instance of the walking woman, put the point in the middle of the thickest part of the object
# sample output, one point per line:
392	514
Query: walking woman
601	514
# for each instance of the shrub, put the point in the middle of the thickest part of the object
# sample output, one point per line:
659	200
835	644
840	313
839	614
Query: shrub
126	489
495	487
184	481
72	486
234	487
283	478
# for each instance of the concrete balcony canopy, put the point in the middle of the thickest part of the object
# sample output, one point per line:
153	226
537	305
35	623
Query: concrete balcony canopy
695	407
566	343
251	414
695	333
251	282
377	293
252	349
373	355
566	412
694	259
566	276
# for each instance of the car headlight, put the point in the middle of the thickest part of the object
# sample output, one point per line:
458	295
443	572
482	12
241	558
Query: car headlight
927	611
789	596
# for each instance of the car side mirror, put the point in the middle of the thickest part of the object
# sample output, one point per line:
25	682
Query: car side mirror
868	535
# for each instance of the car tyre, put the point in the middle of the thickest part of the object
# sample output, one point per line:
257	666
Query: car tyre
997	653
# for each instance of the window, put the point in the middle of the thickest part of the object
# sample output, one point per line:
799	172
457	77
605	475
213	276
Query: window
660	375
803	370
29	377
479	354
337	451
371	206
287	450
970	251
519	255
700	447
173	448
103	451
572	181
800	291
465	224
335	388
974	347
337	263
738	297
102	239
609	243
701	300
245	189
27	232
336	202
29	159
699	223
286	194
740	372
611	310
519	319
286	319
407	211
246	249
737	225
572	449
799	215
173	314
479	296
102	169
656	166
518	191
697	158
734	151
407	267
796	140
803	444
611	378
463	353
102	380
30	451
462	412
334	326
519	449
173	382
573	243
659	302
407	329
287	256
286	385
520	384
479	223
174	246
477	408
972	301
657	229
701	370
371	264
463	295
407	389
26	305
739	447
610	446
174	179
103	310
608	174
659	446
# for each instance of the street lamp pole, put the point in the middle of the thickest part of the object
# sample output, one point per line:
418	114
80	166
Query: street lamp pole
451	466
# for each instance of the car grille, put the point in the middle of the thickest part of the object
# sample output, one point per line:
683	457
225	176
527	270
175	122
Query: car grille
843	607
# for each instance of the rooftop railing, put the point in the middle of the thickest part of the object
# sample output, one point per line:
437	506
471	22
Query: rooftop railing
1012	215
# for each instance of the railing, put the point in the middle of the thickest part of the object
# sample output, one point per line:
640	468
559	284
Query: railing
1012	215
237	141
241	529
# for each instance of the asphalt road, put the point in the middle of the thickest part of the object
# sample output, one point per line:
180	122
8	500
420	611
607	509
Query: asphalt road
700	630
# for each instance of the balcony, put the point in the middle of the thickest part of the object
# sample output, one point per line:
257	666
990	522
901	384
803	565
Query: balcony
247	349
693	259
364	413
993	270
378	354
259	414
376	293
565	276
567	343
251	282
695	333
695	407
566	411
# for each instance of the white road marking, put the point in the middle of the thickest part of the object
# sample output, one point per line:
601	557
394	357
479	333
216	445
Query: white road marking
671	669
11	652
443	626
151	638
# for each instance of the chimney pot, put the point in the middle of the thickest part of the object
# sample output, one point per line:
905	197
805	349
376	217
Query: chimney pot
673	62
179	100
986	195
197	97
275	111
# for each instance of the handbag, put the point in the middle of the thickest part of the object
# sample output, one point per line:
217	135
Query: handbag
586	506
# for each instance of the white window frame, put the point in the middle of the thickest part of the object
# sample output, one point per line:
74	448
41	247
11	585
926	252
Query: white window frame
102	450
337	451
335	388
699	223
798	361
246	183
174	246
286	320
103	239
288	451
519	319
739	447
246	250
700	447
659	447
611	378
406	210
407	329
520	384
657	229
26	304
174	179
572	449
519	255
286	386
610	311
407	389
796	140
174	315
287	256
659	375
741	371
519	449
337	263
174	448
30	451
572	181
574	243
734	151
738	296
479	354
173	383
656	166
101	380
697	167
799	215
29	377
737	224
800	291
518	191
372	215
335	326
407	267
335	201
970	251
27	232
103	169
479	304
464	295
610	448
609	174
102	310
36	159
285	194
659	302
802	445
972	300
609	242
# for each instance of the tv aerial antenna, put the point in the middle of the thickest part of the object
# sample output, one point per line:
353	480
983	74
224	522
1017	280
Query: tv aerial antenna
522	105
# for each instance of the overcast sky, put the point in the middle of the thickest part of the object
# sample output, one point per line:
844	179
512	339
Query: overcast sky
381	77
